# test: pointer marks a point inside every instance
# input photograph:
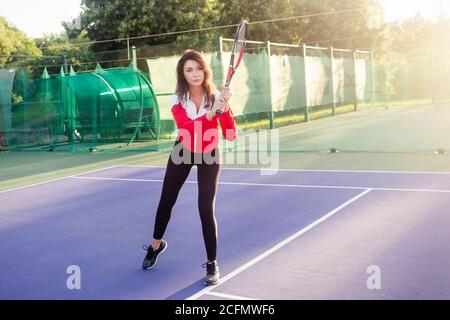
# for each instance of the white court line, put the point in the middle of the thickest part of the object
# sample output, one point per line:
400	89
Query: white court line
278	246
272	185
228	296
300	170
123	179
57	179
96	170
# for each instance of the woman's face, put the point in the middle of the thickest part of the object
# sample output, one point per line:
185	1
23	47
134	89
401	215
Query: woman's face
194	74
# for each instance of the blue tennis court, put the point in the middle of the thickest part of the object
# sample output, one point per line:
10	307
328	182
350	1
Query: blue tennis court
296	234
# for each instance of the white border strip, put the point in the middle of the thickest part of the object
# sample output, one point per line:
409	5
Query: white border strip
278	246
228	296
270	185
301	170
293	170
123	179
57	179
96	170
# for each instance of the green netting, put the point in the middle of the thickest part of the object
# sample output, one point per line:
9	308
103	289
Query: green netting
287	87
373	100
287	82
413	75
6	82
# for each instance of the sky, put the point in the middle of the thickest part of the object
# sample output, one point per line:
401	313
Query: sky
403	9
39	17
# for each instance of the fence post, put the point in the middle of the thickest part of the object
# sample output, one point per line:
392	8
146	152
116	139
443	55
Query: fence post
220	50
372	79
433	98
128	47
65	62
333	95
270	87
132	53
220	44
355	81
306	84
25	102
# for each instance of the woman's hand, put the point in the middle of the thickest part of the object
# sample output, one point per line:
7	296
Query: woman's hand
220	104
225	94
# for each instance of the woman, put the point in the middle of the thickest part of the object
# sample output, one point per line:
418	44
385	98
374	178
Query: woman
194	108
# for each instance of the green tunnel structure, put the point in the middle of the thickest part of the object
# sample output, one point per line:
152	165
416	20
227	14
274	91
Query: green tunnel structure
78	110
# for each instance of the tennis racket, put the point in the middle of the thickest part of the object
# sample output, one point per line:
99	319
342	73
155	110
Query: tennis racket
237	52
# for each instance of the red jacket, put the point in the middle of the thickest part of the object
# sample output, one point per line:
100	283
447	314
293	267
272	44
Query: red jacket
201	135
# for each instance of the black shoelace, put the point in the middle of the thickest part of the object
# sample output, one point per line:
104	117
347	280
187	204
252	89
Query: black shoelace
210	267
149	250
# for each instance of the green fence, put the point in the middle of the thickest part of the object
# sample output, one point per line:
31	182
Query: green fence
109	100
279	80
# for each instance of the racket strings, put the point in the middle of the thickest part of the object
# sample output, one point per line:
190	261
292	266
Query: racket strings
239	45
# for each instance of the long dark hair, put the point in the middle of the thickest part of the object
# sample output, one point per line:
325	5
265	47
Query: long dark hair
207	85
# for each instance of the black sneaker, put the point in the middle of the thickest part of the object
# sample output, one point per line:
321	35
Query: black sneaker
152	256
212	273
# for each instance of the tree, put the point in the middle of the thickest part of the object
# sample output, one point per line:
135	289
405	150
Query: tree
73	28
14	42
104	20
346	29
114	19
419	32
259	10
58	47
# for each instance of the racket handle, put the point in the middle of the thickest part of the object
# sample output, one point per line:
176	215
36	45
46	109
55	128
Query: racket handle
227	84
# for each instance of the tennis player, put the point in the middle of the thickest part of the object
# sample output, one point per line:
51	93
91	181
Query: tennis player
194	109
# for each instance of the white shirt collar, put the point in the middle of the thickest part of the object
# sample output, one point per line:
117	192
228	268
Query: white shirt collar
189	105
191	109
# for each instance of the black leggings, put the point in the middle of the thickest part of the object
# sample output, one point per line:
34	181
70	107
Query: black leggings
207	177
